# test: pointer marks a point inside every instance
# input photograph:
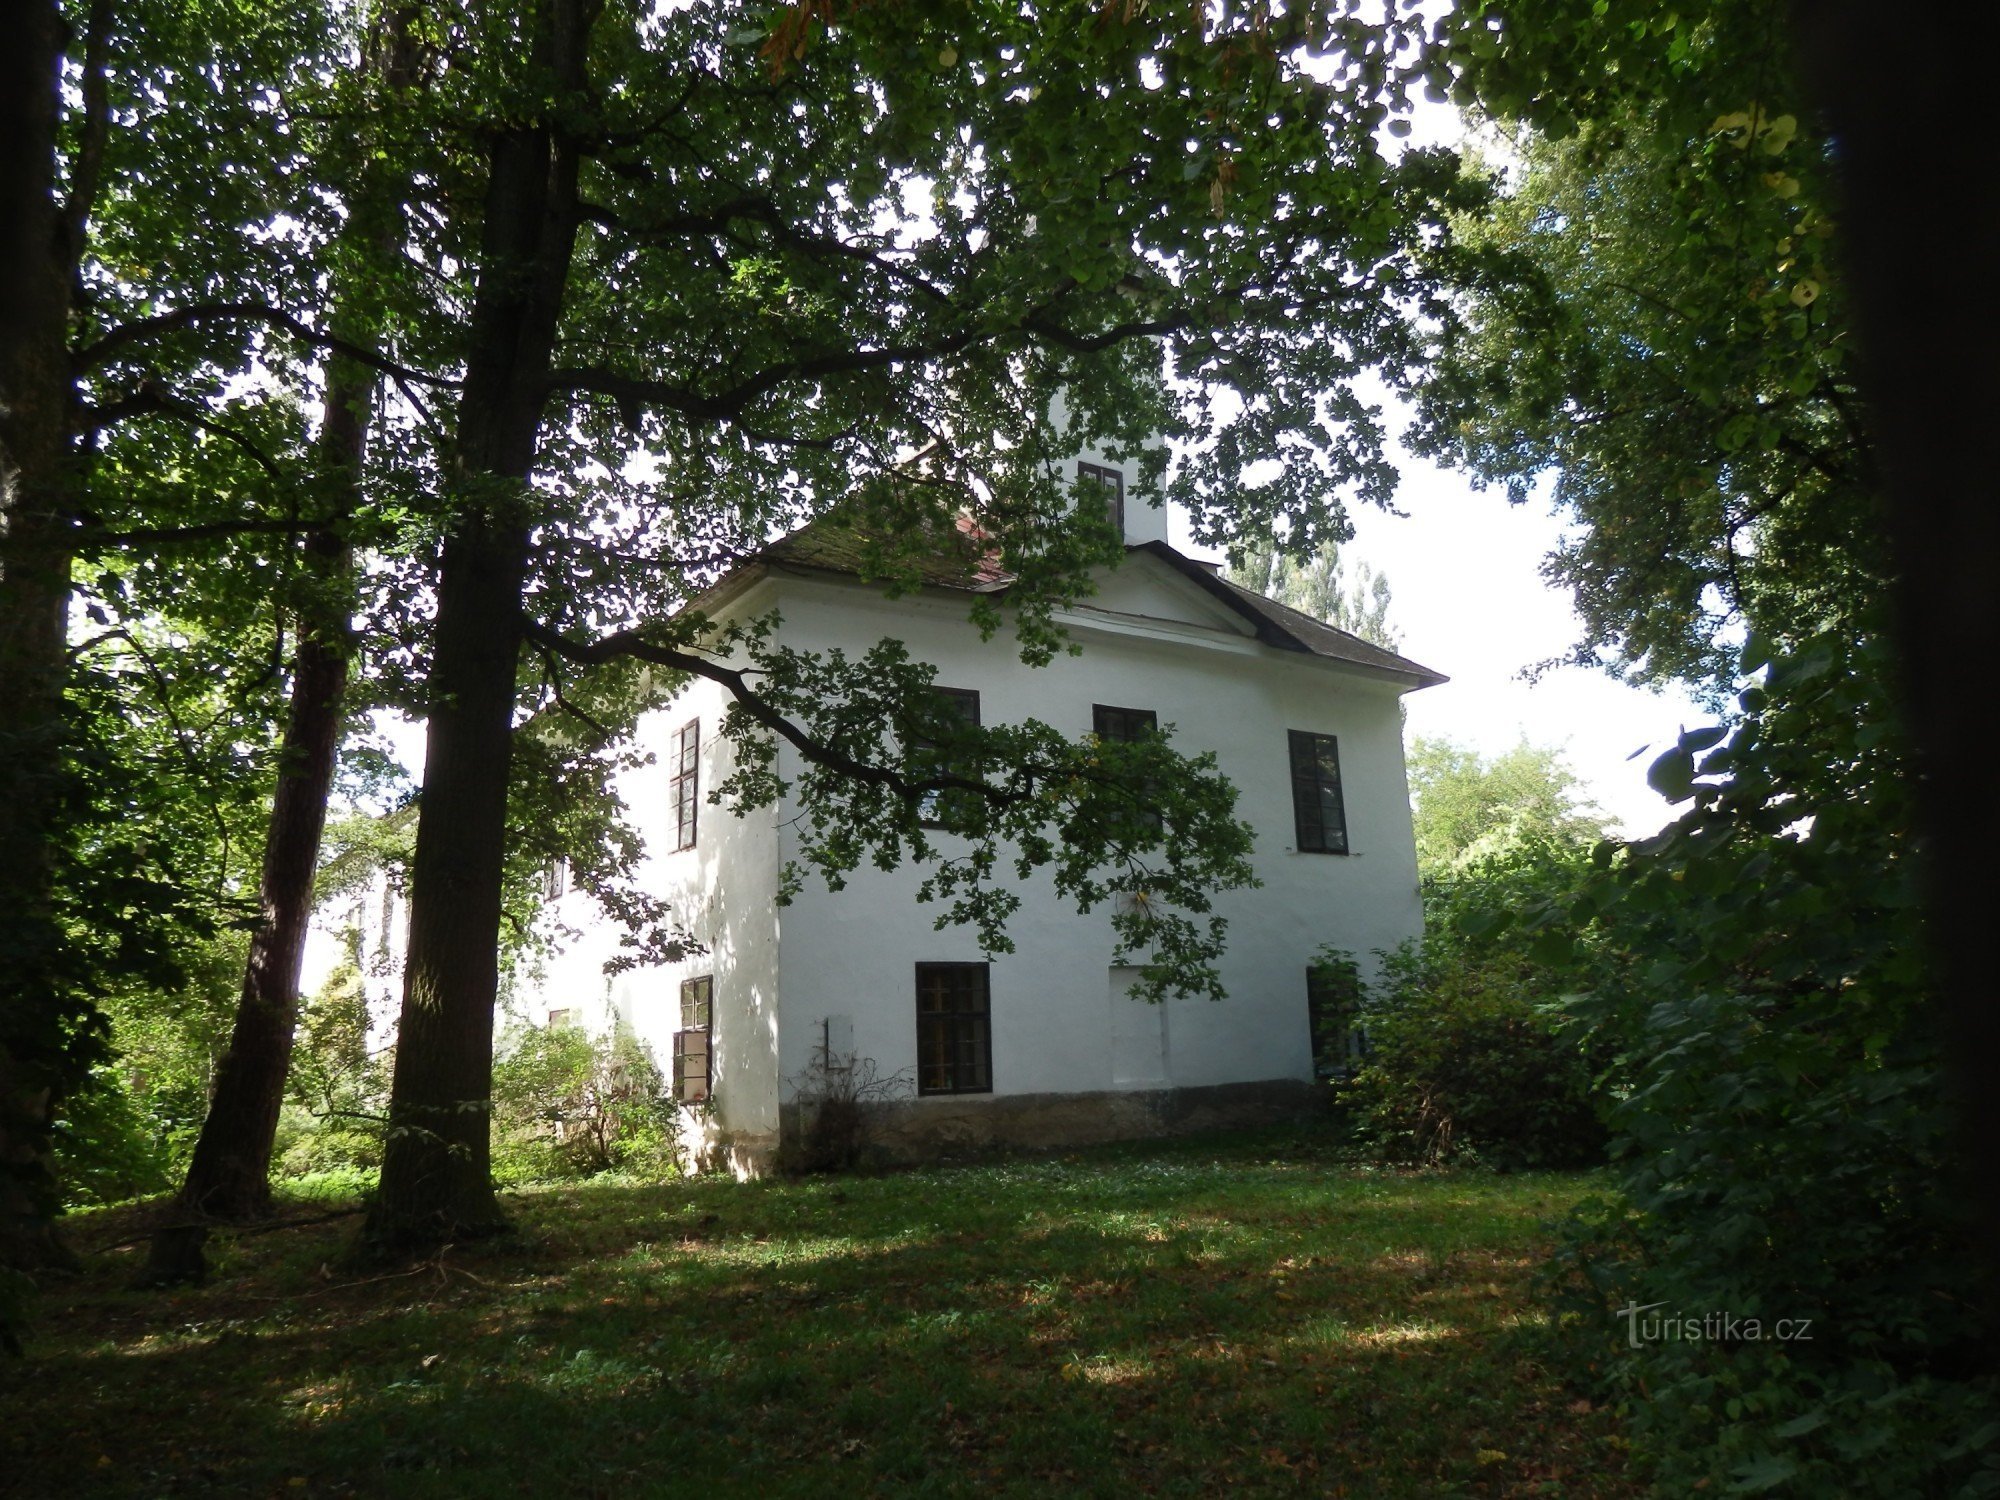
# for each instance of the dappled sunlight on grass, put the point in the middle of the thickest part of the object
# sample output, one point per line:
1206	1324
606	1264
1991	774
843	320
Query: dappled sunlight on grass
1173	1320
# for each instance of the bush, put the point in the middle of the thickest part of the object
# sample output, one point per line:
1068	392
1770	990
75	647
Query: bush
566	1104
1465	1052
336	1096
108	1148
1782	1142
1466	1060
835	1104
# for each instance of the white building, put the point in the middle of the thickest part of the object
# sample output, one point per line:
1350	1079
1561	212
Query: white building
1043	1045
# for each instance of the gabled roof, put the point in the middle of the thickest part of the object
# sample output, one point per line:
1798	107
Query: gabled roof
1289	629
961	561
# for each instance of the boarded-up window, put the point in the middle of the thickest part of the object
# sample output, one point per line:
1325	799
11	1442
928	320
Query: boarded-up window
693	1043
954	1030
685	786
1316	802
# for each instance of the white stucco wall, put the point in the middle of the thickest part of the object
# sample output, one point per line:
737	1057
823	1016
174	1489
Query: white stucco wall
1059	1021
723	892
1062	1021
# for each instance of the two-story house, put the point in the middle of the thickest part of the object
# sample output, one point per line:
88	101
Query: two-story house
1042	1046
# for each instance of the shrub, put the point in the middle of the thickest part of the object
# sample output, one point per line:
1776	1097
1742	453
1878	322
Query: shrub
1466	1060
108	1148
835	1101
336	1095
566	1104
1782	1143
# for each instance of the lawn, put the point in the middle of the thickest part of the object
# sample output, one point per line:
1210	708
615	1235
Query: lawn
1247	1314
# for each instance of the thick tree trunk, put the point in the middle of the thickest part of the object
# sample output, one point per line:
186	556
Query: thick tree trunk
229	1174
36	393
436	1183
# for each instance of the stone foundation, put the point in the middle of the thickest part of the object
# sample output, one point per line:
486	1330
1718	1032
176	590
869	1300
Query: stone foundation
943	1126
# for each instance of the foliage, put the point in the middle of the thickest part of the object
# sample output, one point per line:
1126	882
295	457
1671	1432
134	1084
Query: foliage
107	1149
1658	316
567	1104
1470	1055
1318	585
336	1092
1242	1315
1470	808
1784	1141
1667	325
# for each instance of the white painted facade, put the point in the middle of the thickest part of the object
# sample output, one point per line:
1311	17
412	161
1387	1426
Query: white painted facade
841	965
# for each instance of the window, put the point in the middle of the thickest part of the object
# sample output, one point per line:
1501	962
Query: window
1338	1042
954	1031
1316	805
555	880
685	786
1128	726
692	1043
562	1018
931	755
1111	484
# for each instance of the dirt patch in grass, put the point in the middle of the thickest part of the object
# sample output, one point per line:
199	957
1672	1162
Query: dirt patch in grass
1245	1314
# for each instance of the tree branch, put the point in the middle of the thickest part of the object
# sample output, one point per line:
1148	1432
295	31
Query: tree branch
630	643
90	146
91	540
152	397
141	329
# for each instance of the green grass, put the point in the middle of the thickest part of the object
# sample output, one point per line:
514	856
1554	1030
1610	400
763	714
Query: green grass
1169	1320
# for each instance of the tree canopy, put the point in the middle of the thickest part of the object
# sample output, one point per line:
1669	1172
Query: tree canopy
1469	806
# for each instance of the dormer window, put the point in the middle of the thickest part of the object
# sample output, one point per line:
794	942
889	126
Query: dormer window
1111	484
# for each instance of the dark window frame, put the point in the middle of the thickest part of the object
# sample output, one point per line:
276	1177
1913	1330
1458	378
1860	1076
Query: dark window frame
1333	1023
694	1085
956	1029
1129	726
1311	790
1112	482
555	879
684	785
967	702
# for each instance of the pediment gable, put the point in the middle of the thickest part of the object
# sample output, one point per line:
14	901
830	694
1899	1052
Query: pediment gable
1145	588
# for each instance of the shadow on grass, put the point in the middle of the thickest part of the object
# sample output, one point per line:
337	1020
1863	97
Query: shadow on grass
1159	1324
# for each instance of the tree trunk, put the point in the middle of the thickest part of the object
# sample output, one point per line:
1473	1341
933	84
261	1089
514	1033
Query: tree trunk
436	1182
229	1174
37	1037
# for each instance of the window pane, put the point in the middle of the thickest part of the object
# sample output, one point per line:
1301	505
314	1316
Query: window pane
953	1036
1316	799
685	788
1109	482
929	756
